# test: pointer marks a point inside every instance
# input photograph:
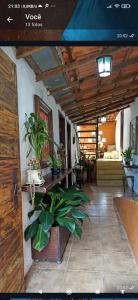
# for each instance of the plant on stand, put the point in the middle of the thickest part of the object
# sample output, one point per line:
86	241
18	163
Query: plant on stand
55	163
128	156
36	136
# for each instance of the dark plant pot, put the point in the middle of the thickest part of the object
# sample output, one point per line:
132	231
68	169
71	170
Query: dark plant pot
58	170
56	247
127	162
54	171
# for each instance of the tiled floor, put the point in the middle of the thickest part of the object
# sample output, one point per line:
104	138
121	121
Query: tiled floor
101	262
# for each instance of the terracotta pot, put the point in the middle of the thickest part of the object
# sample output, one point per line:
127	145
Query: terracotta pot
56	247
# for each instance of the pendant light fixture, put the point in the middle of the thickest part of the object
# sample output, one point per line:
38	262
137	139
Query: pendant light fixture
104	65
103	119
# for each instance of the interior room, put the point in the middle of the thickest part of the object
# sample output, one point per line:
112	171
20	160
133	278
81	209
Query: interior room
69	169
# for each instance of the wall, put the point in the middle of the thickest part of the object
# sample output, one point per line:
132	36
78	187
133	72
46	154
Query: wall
117	134
129	114
108	130
27	87
128	211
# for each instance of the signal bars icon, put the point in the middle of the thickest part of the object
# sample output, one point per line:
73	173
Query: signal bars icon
117	5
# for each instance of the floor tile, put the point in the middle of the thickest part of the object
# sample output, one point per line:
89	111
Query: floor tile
102	260
85	260
45	281
88	243
83	282
120	282
120	263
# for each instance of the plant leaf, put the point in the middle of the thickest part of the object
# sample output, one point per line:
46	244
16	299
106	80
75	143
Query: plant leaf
78	214
41	240
74	203
31	230
78	231
64	211
67	222
30	214
46	219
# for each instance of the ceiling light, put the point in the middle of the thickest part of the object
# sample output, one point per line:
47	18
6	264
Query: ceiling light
93	133
103	119
103	140
104	65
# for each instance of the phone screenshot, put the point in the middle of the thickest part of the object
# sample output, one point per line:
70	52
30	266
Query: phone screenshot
69	20
68	149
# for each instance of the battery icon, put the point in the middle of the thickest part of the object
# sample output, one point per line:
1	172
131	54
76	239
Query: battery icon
127	5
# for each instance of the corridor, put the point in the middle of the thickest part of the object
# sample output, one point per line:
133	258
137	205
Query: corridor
101	262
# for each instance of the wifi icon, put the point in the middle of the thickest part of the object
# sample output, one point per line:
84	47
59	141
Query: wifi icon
116	5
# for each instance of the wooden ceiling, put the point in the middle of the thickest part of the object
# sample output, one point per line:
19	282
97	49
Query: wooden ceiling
83	95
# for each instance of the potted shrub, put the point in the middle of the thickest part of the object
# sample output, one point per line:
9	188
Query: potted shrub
128	156
56	218
37	136
55	164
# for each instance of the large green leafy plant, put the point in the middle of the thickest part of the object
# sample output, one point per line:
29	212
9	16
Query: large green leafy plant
36	134
60	210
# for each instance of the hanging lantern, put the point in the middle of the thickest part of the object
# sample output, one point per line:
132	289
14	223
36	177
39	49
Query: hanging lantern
104	65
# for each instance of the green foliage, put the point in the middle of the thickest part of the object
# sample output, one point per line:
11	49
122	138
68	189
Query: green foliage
37	134
128	153
60	210
54	162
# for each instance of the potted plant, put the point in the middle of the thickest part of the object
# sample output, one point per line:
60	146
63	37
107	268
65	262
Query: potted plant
128	156
56	218
37	136
54	163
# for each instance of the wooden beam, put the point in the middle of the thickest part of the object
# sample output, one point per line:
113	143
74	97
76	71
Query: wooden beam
109	105
23	52
95	76
63	100
104	96
32	63
85	122
71	66
99	115
103	111
101	103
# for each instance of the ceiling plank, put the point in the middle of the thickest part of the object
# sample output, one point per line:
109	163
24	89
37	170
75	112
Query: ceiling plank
103	110
85	122
32	63
132	61
63	99
72	66
101	103
106	95
23	52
